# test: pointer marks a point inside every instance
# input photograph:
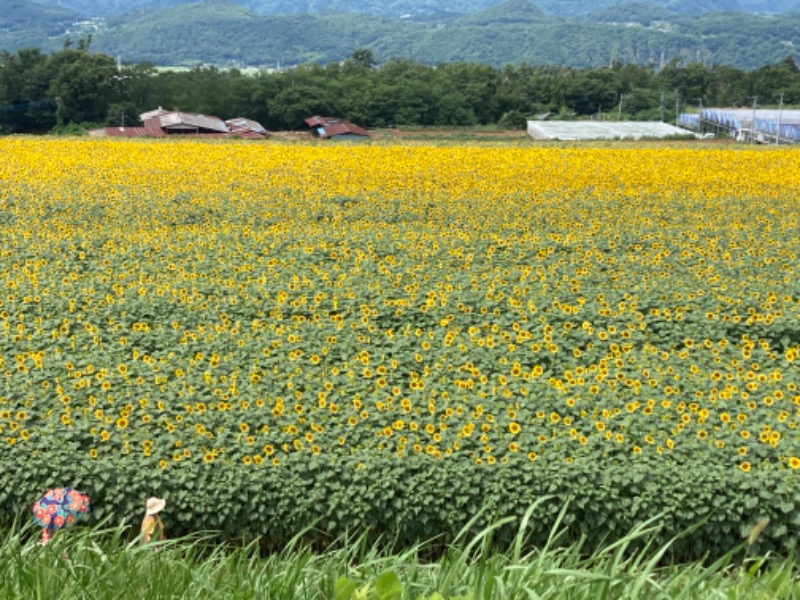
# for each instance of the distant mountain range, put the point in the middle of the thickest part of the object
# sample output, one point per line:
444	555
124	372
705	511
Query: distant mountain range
577	33
406	8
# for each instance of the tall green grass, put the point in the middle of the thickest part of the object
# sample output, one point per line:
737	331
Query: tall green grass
101	563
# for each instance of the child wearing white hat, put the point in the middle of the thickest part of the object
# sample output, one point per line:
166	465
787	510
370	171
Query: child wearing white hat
152	525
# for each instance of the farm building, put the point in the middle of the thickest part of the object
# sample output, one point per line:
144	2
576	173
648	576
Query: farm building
241	125
163	123
746	124
602	130
333	128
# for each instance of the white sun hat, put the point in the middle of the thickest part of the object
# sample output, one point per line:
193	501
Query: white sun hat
155	506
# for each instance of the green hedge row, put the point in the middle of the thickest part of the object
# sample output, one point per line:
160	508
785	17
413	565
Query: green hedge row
420	498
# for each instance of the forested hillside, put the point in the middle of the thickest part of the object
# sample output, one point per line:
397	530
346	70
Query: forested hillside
23	16
515	32
398	8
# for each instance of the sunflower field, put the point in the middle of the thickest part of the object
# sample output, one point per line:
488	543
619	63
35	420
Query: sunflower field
394	337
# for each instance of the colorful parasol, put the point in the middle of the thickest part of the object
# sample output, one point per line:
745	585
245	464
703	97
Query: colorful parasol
59	508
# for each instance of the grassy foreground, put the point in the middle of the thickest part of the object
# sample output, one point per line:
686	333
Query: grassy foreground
101	563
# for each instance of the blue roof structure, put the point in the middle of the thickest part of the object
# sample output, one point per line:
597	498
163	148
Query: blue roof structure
776	125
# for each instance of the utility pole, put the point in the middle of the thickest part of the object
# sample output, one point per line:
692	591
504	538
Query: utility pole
753	126
677	106
661	107
780	116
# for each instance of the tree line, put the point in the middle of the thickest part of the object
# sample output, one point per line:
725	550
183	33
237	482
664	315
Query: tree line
74	89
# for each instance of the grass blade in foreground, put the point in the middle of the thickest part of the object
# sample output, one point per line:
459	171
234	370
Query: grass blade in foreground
98	563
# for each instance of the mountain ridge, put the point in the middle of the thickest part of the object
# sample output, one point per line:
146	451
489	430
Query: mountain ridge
410	8
226	33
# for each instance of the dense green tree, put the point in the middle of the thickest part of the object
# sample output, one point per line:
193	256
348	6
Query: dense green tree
725	86
82	84
643	104
692	82
631	77
292	105
122	114
136	85
590	91
25	105
767	83
476	86
363	58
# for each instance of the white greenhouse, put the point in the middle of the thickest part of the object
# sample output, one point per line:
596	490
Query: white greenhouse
603	130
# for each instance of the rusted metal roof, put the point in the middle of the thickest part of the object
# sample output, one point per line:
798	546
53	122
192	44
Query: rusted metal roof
316	120
188	121
344	129
132	132
331	127
163	124
241	125
153	127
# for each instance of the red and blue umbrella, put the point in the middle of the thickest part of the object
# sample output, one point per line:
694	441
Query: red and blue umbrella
59	508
